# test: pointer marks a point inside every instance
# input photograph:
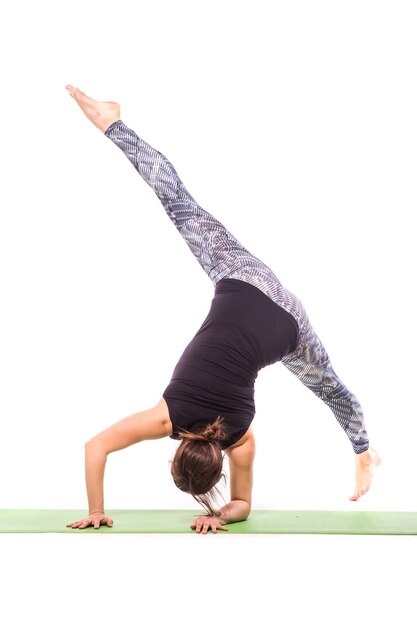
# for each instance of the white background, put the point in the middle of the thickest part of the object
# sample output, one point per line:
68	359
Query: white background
294	123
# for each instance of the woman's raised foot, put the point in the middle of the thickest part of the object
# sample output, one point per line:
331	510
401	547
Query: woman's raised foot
101	114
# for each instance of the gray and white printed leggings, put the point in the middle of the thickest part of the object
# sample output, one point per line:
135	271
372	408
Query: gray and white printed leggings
221	255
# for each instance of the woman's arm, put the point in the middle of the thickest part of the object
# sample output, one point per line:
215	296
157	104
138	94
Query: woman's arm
241	481
149	424
95	463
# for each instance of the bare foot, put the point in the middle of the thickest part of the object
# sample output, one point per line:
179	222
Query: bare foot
365	464
102	114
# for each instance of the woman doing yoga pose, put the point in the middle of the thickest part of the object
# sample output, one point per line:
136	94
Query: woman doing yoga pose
253	321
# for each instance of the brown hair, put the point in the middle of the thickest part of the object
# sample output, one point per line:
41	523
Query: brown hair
197	464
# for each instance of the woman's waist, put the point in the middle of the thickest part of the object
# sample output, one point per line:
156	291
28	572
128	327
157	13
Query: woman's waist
215	371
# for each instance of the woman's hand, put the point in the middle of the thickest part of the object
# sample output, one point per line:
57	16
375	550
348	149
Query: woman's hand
205	521
93	520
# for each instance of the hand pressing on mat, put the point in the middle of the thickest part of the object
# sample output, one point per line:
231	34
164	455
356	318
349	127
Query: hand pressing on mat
205	522
95	519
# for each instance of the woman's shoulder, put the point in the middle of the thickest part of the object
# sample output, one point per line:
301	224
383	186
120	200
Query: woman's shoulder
248	438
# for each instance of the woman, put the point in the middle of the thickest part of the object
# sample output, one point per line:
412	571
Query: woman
253	321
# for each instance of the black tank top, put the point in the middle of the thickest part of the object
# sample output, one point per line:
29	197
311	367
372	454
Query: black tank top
243	332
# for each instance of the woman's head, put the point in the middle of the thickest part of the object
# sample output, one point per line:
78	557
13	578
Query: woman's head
198	462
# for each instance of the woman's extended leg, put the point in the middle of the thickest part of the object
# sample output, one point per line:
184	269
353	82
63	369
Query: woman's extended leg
215	248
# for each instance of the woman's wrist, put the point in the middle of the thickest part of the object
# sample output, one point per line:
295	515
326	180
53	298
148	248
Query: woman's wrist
234	511
96	511
222	516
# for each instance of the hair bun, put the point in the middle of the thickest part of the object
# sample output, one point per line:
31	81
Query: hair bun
211	432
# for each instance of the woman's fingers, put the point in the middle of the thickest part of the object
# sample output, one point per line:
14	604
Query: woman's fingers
215	527
83	525
204	523
219	526
92	520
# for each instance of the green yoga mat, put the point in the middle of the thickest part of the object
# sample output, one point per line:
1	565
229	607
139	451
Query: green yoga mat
178	521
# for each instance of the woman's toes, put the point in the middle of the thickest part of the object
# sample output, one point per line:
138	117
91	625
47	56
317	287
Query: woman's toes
72	90
356	495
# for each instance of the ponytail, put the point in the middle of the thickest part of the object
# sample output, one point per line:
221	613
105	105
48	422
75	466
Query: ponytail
212	433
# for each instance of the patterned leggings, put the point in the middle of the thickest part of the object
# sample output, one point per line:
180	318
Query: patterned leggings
221	255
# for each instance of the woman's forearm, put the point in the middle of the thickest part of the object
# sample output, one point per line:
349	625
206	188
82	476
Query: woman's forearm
234	511
95	463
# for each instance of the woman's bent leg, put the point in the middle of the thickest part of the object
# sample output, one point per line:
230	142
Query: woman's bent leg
311	364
